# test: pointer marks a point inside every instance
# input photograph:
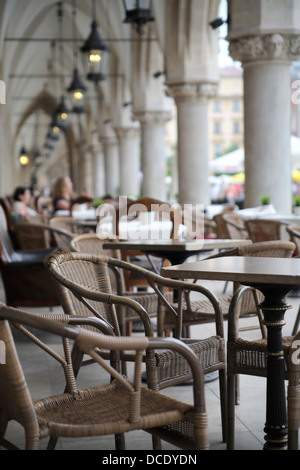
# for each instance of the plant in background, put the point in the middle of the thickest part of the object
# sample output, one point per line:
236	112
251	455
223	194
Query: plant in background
296	200
97	202
264	199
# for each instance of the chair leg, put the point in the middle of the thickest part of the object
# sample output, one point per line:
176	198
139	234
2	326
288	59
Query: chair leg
120	442
237	390
156	443
293	440
52	443
230	412
223	400
296	325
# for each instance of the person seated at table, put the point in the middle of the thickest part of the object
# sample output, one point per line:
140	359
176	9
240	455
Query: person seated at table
21	203
62	194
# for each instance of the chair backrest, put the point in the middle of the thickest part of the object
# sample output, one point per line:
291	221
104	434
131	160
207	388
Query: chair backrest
91	243
263	230
268	249
235	225
73	271
63	239
294	233
221	227
6	246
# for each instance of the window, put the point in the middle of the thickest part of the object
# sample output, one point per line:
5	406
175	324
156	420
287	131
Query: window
236	105
218	150
217	105
217	128
236	127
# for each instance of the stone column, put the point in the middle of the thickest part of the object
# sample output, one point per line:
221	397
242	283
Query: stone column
129	152
266	60
192	122
153	152
112	170
99	170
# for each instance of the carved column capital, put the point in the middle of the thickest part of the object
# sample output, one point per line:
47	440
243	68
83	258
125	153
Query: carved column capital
192	90
107	140
152	117
128	132
265	47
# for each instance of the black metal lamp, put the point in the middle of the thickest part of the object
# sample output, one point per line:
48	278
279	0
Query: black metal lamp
76	89
62	115
23	157
138	12
215	24
95	52
77	92
54	129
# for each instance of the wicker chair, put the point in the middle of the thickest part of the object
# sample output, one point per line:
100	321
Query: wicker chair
118	406
263	230
63	239
249	358
83	286
294	233
91	243
235	225
33	235
26	281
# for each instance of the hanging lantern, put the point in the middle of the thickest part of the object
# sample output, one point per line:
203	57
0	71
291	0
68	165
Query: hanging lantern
23	157
138	12
54	130
77	92
96	55
62	115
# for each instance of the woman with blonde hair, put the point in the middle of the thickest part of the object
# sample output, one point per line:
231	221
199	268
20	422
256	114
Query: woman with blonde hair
62	194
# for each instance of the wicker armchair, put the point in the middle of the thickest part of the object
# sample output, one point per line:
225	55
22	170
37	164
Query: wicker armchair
91	243
235	225
66	233
26	281
294	233
250	358
83	286
33	235
263	230
118	406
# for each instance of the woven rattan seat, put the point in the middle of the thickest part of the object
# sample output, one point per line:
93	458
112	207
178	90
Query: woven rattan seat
116	407
250	358
82	285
